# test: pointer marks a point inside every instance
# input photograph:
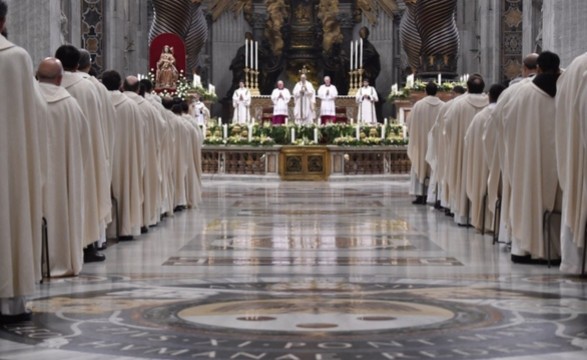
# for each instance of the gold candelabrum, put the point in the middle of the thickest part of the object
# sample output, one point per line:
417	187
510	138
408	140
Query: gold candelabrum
252	81
356	81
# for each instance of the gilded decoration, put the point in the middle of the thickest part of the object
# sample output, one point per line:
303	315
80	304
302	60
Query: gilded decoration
511	38
92	35
513	17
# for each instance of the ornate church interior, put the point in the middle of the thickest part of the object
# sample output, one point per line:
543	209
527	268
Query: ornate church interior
293	179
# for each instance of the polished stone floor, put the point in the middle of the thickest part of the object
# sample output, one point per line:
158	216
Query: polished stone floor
306	270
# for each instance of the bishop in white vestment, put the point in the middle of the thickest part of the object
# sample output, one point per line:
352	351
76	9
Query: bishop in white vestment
572	162
280	98
305	101
327	94
366	97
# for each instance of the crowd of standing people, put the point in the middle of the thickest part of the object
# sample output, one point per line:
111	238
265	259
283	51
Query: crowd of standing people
87	156
511	162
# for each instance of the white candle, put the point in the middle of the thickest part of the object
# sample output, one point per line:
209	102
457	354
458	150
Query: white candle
319	121
383	130
250	132
385	122
286	120
352	121
357	54
439	78
404	131
225	131
219	121
256	55
394	89
316	135
352	54
293	135
358	130
361	54
246	53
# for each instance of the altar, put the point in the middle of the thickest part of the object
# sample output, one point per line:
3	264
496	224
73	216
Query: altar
262	108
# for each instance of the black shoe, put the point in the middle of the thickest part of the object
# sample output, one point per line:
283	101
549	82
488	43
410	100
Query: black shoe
125	238
92	255
15	319
437	205
144	230
420	200
179	208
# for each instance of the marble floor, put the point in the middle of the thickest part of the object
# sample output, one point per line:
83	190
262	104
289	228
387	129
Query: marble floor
306	270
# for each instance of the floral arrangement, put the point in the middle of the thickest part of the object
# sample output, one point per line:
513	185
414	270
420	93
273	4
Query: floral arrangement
419	85
183	88
330	134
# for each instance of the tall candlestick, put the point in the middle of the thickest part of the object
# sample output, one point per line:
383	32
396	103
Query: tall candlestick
256	55
383	130
357	54
224	131
316	135
293	135
250	132
361	59
358	130
246	53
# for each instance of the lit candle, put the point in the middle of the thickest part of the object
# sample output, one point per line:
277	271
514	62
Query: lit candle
316	135
358	130
256	55
439	78
352	54
361	53
225	131
385	122
356	54
219	121
293	135
246	53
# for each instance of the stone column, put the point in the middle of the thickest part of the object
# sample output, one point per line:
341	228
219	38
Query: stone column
564	31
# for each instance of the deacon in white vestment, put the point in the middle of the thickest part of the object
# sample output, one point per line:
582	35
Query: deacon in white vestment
154	128
498	183
572	163
68	150
457	121
529	142
419	122
97	197
199	111
280	98
192	181
366	98
305	101
477	168
327	94
241	102
22	114
129	158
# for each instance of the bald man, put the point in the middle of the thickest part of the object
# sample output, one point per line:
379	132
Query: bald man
69	149
327	94
280	98
154	131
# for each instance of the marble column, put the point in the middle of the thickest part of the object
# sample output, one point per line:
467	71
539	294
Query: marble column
564	31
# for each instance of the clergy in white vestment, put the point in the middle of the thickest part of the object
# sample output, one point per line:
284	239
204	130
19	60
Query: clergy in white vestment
572	163
305	101
366	97
68	150
529	129
419	122
194	147
498	183
327	94
280	98
129	158
441	150
477	168
97	197
182	166
154	129
84	67
22	114
457	121
199	111
241	102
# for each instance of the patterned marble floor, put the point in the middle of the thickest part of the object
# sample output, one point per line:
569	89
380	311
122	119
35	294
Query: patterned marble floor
305	270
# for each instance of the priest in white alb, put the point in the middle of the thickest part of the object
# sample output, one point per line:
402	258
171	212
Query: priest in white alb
572	162
199	111
97	185
22	113
457	121
129	158
68	150
305	101
327	94
477	168
280	98
529	130
154	128
241	102
419	122
366	97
